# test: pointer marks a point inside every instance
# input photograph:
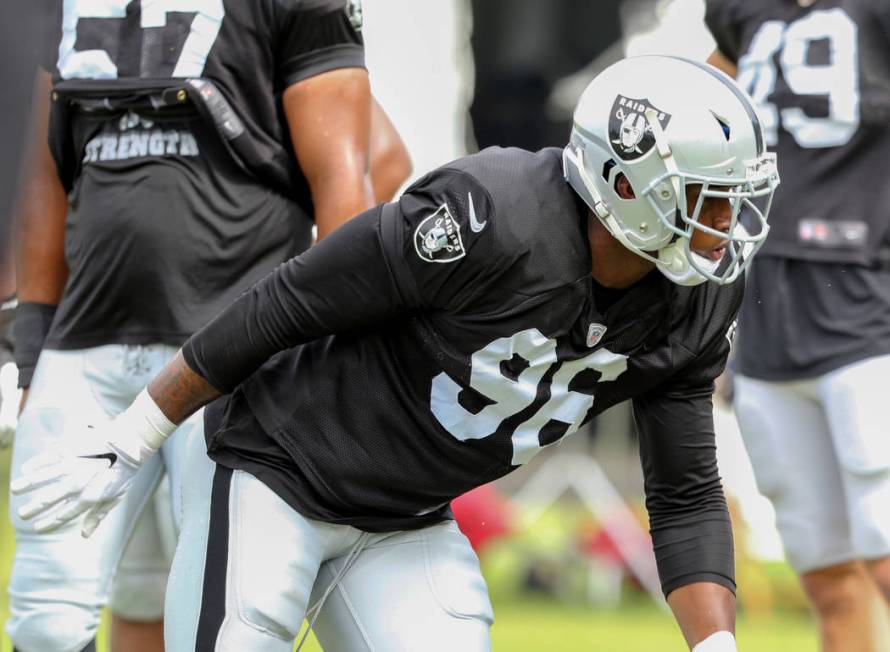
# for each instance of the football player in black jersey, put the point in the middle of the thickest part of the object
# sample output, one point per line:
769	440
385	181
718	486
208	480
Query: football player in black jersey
193	145
814	333
434	344
21	32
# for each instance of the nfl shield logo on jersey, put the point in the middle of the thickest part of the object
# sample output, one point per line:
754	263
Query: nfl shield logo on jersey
630	134
594	334
437	239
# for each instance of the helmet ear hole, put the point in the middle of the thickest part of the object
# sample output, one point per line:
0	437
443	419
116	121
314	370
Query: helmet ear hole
623	188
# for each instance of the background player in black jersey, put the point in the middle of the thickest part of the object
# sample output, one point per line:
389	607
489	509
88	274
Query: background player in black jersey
437	343
814	335
195	149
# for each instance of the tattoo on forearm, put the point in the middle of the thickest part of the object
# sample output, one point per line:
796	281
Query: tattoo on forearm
179	391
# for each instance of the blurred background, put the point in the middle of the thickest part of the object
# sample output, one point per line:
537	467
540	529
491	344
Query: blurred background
563	542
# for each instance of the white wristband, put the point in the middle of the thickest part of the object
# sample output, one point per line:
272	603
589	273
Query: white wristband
721	641
145	420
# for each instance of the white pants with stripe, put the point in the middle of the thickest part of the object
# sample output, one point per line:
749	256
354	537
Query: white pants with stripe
60	581
248	567
820	449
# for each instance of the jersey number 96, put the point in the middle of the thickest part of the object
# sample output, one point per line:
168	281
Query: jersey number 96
510	398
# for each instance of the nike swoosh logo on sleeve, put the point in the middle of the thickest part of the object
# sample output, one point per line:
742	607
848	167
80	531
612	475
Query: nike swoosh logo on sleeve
475	225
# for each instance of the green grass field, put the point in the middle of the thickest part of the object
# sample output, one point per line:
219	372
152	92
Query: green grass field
526	626
537	626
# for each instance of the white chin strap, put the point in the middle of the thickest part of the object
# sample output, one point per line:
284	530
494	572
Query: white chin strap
674	263
671	261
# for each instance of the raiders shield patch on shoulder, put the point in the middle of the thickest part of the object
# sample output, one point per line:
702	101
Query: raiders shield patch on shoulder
629	132
437	239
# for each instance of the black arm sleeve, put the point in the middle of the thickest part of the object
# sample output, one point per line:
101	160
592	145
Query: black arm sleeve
688	517
721	21
341	284
30	326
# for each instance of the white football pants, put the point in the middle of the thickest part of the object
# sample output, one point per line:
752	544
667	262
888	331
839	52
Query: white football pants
248	567
60	581
820	449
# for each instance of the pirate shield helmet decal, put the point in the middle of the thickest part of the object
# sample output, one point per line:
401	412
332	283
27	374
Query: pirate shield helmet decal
629	133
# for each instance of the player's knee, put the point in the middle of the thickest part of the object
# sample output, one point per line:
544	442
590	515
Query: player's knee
868	496
52	627
270	619
879	569
871	537
809	550
836	590
815	536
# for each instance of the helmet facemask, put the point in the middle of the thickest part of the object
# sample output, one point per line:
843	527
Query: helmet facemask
749	197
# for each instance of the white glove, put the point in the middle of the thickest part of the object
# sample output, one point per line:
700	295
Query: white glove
721	641
66	485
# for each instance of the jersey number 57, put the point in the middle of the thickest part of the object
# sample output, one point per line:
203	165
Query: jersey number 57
92	25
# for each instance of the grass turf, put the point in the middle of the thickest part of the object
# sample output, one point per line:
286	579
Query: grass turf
535	626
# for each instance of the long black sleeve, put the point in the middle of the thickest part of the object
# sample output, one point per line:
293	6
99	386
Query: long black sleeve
688	517
341	284
368	271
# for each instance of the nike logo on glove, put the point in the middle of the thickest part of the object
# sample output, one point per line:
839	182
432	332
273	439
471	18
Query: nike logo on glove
475	225
111	457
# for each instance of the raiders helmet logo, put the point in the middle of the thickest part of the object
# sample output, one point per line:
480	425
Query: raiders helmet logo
630	134
437	239
354	11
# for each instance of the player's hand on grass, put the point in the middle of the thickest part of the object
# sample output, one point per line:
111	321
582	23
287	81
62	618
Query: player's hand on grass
62	485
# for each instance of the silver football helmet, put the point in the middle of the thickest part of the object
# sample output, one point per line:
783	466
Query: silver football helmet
665	123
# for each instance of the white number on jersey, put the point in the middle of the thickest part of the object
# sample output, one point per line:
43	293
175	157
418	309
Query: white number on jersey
508	397
98	64
839	80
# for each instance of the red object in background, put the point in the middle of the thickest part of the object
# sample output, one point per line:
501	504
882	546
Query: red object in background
482	515
598	543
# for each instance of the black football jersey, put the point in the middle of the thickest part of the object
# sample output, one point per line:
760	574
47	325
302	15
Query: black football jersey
169	133
444	340
818	296
820	77
802	319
